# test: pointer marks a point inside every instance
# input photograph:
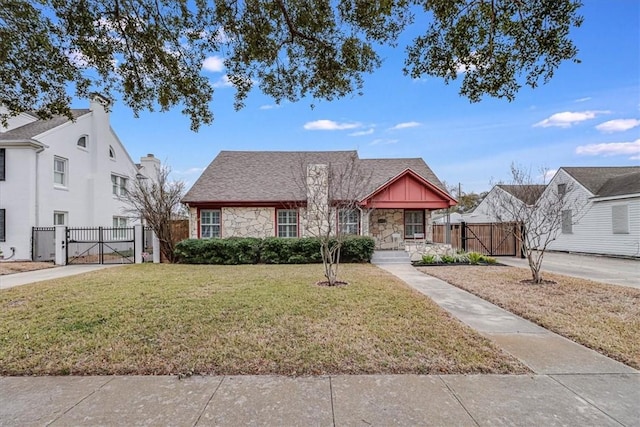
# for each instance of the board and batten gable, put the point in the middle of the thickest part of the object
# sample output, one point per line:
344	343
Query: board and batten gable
592	230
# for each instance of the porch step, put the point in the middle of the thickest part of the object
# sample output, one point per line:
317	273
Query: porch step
390	257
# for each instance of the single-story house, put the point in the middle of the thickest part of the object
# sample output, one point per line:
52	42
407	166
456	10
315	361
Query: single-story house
276	193
608	222
488	210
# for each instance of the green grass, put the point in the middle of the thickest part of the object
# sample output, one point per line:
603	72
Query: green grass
264	319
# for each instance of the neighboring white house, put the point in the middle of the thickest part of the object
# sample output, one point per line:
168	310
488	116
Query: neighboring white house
488	210
62	172
609	222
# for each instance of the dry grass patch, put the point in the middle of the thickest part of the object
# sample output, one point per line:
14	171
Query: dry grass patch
19	266
603	317
168	319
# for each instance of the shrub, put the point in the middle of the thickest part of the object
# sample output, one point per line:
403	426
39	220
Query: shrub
271	250
475	257
448	259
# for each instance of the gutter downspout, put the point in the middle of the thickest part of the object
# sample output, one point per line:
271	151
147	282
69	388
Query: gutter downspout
37	188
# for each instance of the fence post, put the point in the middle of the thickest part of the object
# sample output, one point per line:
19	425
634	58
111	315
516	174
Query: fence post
138	243
156	248
61	245
463	236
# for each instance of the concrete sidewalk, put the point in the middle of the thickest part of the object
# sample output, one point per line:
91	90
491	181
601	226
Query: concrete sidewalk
615	271
24	278
571	385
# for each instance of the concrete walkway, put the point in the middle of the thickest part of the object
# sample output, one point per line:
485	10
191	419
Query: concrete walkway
615	271
571	386
18	279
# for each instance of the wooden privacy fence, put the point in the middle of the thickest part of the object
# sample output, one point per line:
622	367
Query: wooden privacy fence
495	239
179	231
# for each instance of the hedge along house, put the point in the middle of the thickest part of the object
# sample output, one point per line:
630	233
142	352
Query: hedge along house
275	193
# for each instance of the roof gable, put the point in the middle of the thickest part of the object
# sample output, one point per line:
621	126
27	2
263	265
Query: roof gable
409	190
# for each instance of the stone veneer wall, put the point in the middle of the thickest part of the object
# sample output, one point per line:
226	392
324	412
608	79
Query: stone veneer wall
248	222
393	223
193	222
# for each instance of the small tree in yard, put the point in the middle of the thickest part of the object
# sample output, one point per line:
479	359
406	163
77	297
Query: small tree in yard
540	209
157	202
333	192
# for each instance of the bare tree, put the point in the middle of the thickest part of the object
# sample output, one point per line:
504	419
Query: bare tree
332	211
157	202
541	210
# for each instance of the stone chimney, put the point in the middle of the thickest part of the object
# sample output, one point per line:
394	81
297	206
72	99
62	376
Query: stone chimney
317	213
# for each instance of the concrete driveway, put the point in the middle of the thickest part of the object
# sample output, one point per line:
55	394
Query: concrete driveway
616	271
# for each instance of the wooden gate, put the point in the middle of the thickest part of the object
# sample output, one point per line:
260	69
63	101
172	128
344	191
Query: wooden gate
495	239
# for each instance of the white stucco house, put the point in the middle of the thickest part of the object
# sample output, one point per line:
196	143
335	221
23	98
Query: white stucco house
609	221
62	172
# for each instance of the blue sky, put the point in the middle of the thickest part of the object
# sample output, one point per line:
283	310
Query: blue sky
587	115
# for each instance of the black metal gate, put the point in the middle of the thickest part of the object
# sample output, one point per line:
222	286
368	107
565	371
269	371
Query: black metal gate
100	245
43	243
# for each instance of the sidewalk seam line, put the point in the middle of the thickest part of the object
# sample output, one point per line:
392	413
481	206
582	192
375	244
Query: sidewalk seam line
80	401
590	403
333	413
209	401
455	396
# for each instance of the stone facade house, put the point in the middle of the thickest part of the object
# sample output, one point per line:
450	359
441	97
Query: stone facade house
283	194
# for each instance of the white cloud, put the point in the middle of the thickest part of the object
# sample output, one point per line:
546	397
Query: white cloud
329	125
405	125
618	125
362	132
214	64
268	107
548	174
223	82
585	99
383	141
568	118
462	68
611	149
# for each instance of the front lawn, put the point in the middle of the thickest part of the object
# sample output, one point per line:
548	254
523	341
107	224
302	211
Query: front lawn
603	317
257	319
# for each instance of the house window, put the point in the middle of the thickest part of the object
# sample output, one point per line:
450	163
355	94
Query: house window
82	141
60	218
119	227
348	221
209	224
620	219
562	189
118	185
2	163
567	222
287	223
60	171
2	226
112	153
413	223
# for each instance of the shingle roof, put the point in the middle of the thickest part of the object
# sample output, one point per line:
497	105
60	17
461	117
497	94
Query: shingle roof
33	129
266	176
624	184
595	178
527	193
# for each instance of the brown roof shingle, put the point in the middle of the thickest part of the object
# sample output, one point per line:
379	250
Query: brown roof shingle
275	176
595	178
526	193
33	129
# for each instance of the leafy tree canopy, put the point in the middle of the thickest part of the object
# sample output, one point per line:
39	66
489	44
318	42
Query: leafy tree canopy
151	51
